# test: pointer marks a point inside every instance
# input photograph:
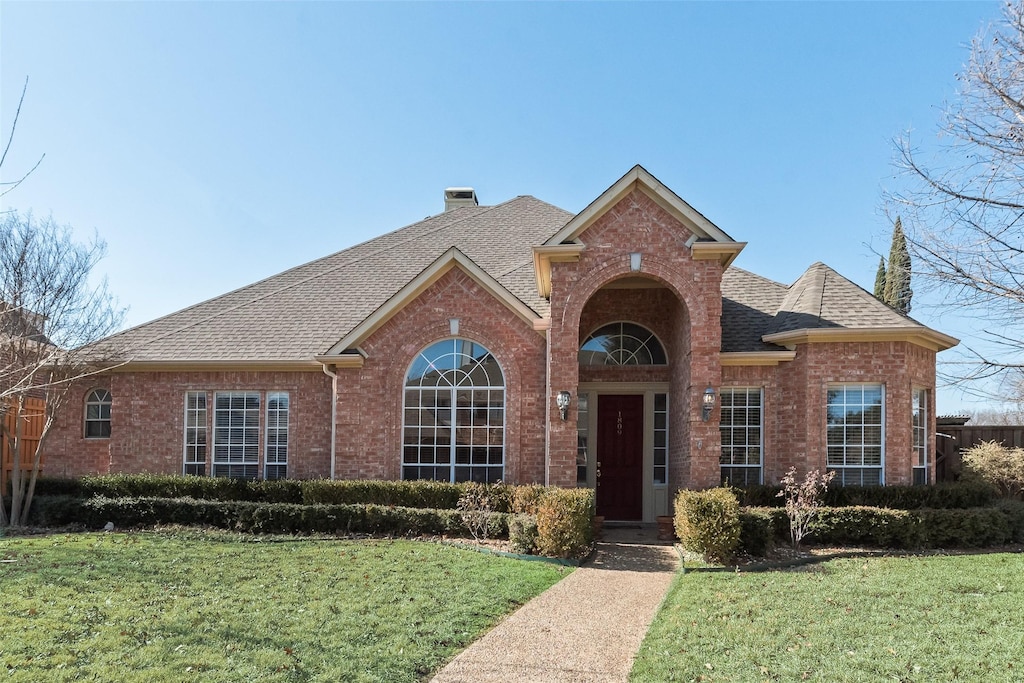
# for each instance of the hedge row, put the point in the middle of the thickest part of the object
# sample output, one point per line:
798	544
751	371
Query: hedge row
255	517
559	523
946	496
416	494
979	527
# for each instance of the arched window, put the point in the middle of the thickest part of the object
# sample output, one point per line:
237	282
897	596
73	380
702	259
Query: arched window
97	414
622	344
453	426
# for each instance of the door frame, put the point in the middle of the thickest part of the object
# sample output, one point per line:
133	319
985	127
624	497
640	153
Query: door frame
656	499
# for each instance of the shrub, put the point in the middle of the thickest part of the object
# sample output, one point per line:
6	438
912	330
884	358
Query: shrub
759	527
475	509
526	499
522	533
858	525
963	494
803	499
708	522
997	465
564	522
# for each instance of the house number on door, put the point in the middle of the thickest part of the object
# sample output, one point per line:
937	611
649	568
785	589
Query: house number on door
618	424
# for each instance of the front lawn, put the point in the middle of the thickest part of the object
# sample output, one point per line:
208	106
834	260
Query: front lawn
198	606
951	618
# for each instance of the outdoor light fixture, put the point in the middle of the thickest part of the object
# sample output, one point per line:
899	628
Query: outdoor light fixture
635	261
709	403
562	401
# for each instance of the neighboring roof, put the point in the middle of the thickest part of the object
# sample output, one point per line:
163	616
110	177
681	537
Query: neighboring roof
303	312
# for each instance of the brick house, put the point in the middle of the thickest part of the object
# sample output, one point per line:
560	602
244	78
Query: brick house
617	348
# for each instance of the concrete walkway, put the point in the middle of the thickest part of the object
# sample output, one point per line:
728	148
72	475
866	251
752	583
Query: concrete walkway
586	628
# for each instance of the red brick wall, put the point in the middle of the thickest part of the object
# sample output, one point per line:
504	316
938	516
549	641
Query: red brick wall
147	422
370	398
638	224
796	396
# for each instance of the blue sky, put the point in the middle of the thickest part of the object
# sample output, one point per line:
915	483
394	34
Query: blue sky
214	144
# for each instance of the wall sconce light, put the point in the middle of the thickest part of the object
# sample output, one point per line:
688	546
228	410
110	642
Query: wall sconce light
709	404
635	259
562	401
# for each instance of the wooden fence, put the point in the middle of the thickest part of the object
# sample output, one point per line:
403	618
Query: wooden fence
952	438
31	429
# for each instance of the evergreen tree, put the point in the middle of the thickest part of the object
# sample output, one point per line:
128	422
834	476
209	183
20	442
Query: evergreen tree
880	280
897	292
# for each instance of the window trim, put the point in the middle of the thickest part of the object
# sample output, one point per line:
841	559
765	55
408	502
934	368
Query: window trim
760	426
453	410
201	469
920	447
104	399
839	469
208	466
646	345
278	429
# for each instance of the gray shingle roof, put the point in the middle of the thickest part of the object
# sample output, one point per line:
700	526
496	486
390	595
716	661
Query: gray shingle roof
302	312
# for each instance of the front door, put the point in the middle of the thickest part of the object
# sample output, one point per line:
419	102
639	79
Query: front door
620	457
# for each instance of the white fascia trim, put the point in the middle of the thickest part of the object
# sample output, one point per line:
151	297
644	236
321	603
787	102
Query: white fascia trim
920	335
734	358
640	178
309	365
450	259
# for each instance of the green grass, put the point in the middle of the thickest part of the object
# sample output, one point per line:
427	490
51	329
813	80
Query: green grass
957	618
192	606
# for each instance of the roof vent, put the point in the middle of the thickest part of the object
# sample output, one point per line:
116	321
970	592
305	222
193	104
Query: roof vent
454	197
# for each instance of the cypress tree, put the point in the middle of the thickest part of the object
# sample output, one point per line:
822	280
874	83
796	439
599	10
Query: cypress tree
880	280
897	279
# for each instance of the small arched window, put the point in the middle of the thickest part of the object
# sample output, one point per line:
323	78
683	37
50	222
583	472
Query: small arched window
622	344
453	428
97	414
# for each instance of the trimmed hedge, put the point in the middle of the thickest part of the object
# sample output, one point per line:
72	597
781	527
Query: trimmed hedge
946	496
254	517
559	521
708	522
997	524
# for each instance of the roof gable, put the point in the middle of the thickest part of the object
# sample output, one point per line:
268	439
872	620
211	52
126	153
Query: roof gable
638	178
453	258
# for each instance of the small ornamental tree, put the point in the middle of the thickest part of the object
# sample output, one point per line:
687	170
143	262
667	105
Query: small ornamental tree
997	465
803	500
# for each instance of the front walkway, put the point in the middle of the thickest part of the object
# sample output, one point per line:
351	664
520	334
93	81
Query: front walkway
586	628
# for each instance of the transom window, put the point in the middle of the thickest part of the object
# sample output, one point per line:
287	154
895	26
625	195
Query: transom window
622	344
855	434
453	426
97	414
742	417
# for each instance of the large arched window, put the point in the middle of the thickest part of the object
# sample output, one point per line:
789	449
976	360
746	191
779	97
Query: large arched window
453	427
622	344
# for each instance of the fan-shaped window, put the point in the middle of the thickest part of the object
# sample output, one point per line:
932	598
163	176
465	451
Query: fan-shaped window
97	414
622	344
453	426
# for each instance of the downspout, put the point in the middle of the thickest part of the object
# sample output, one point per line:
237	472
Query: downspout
334	414
547	411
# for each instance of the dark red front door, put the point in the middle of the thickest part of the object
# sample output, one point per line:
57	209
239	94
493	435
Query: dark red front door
620	457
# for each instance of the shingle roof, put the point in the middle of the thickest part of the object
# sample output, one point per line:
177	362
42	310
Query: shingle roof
822	298
302	312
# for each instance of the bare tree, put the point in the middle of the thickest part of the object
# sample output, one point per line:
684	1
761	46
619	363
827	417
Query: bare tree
50	312
7	186
963	203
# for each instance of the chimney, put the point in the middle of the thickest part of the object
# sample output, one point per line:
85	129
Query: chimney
454	197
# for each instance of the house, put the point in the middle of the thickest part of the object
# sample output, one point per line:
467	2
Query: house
616	348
